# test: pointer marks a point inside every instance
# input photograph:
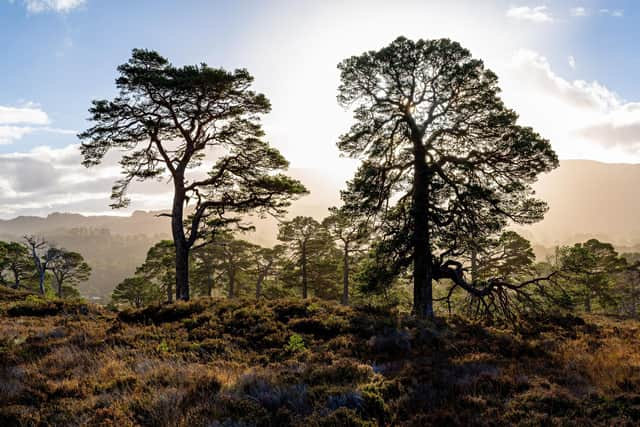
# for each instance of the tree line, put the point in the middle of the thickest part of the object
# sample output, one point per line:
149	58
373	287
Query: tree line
445	168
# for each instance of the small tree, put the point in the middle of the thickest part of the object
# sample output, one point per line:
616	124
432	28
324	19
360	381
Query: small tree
628	286
136	291
305	236
236	262
157	268
38	248
350	233
166	118
590	267
266	263
16	261
68	270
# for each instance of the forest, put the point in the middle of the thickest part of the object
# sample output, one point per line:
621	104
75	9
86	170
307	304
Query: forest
414	302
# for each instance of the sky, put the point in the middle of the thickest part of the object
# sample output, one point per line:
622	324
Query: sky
569	68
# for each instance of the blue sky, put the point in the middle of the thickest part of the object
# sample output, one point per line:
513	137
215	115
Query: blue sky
568	67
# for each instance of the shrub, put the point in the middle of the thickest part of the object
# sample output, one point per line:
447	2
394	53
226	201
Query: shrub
295	344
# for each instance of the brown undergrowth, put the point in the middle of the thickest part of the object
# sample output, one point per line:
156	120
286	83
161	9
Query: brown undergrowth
292	362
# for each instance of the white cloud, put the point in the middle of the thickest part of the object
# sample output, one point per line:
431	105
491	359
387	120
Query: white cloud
538	14
577	93
59	6
572	62
47	179
10	134
17	122
19	115
581	119
578	11
616	13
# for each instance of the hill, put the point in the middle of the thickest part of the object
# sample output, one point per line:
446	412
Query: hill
291	362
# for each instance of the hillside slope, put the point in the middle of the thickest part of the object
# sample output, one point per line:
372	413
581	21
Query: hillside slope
279	363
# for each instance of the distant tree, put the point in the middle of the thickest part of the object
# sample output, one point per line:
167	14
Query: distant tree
166	118
628	286
206	268
236	262
590	268
443	159
38	248
136	291
15	260
304	235
68	269
266	263
157	268
350	233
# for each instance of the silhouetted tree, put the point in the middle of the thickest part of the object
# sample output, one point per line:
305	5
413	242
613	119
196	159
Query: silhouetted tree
443	158
350	233
166	118
68	269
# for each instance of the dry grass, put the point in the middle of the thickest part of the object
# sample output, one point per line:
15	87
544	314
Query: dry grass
230	363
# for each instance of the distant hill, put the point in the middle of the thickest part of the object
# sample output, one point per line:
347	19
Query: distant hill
139	222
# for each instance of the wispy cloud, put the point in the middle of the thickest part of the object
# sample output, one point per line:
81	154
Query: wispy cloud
29	114
572	62
537	14
58	6
616	13
579	11
17	122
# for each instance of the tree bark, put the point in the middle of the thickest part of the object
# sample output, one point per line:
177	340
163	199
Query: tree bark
345	275
304	270
422	268
180	242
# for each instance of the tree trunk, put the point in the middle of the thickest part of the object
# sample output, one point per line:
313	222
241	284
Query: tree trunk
345	275
587	302
304	271
41	275
16	279
169	292
209	282
422	269
180	242
232	283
